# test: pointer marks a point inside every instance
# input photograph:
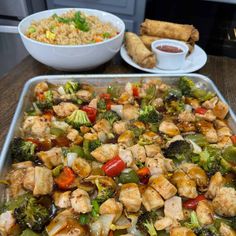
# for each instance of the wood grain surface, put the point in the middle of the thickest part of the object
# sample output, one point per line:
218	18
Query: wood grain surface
221	70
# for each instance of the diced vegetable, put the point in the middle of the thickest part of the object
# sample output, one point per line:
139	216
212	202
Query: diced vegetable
192	203
114	167
201	110
128	176
144	175
66	178
91	113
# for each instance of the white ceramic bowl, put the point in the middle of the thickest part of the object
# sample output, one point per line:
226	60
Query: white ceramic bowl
170	60
73	57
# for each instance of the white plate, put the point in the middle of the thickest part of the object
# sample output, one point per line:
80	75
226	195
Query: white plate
196	60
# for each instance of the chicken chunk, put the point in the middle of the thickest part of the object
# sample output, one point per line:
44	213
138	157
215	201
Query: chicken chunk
130	112
126	156
80	201
163	187
221	110
81	167
22	165
208	116
186	186
93	103
8	223
210	104
111	206
152	150
216	182
226	230
73	135
52	157
40	88
181	231
186	116
165	223
224	142
205	213
103	125
208	130
224	203
224	131
169	128
84	95
64	109
62	199
130	197
220	123
29	179
120	127
126	138
105	152
151	199
43	181
138	152
173	208
156	165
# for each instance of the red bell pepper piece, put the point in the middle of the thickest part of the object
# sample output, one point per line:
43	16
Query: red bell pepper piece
91	112
192	203
135	91
66	178
105	96
113	167
233	139
144	175
200	110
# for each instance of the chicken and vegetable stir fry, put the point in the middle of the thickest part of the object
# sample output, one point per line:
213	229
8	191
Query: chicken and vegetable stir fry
146	159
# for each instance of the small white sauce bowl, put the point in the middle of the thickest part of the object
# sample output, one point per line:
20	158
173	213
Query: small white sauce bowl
169	60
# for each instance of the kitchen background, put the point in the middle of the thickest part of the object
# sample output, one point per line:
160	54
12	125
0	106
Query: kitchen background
215	20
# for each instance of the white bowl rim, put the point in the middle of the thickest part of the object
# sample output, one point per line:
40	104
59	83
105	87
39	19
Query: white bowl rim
70	46
177	43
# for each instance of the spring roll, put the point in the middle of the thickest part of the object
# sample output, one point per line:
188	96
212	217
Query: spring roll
147	40
169	30
138	52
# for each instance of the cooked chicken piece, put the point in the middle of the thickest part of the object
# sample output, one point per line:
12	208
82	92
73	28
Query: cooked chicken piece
126	138
166	223
208	130
62	199
186	186
186	116
16	178
224	203
80	201
210	104
156	165
93	103
22	165
221	110
220	123
216	182
105	152
84	95
224	142
8	223
163	186
84	129
224	131
196	173
138	152
126	156
181	231
120	127
29	180
151	199
186	127
43	181
226	230
152	150
208	116
103	125
111	206
36	126
130	197
91	136
81	167
193	102
130	112
52	157
173	208
163	87
73	135
169	165
40	88
158	102
205	213
169	128
64	109
125	98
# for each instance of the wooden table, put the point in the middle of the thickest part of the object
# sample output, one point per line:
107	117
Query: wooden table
221	70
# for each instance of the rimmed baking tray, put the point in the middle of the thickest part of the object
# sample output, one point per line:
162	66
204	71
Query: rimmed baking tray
100	82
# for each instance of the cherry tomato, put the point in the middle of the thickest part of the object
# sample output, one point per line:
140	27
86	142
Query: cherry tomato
105	96
135	91
192	203
233	139
66	178
91	112
113	167
200	110
144	175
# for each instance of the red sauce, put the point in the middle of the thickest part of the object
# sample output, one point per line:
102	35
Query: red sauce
168	48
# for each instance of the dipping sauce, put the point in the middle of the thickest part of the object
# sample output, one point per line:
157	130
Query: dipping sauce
168	48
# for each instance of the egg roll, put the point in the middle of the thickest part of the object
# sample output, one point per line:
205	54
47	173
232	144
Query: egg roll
169	30
138	52
147	40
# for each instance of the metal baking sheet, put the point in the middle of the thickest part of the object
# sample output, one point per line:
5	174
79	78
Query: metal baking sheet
100	82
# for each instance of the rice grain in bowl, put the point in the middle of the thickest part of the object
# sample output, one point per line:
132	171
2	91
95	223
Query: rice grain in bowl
66	47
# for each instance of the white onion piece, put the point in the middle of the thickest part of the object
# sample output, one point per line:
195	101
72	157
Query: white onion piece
71	156
61	90
118	109
129	88
60	125
188	107
196	149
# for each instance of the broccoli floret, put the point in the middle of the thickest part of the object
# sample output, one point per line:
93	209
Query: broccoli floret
149	115
111	116
179	150
32	215
89	146
71	87
174	107
78	118
104	192
101	106
22	150
150	228
199	139
194	223
172	94
46	102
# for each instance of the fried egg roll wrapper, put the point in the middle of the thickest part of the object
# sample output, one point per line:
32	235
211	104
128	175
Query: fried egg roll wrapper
169	30
147	40
138	51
